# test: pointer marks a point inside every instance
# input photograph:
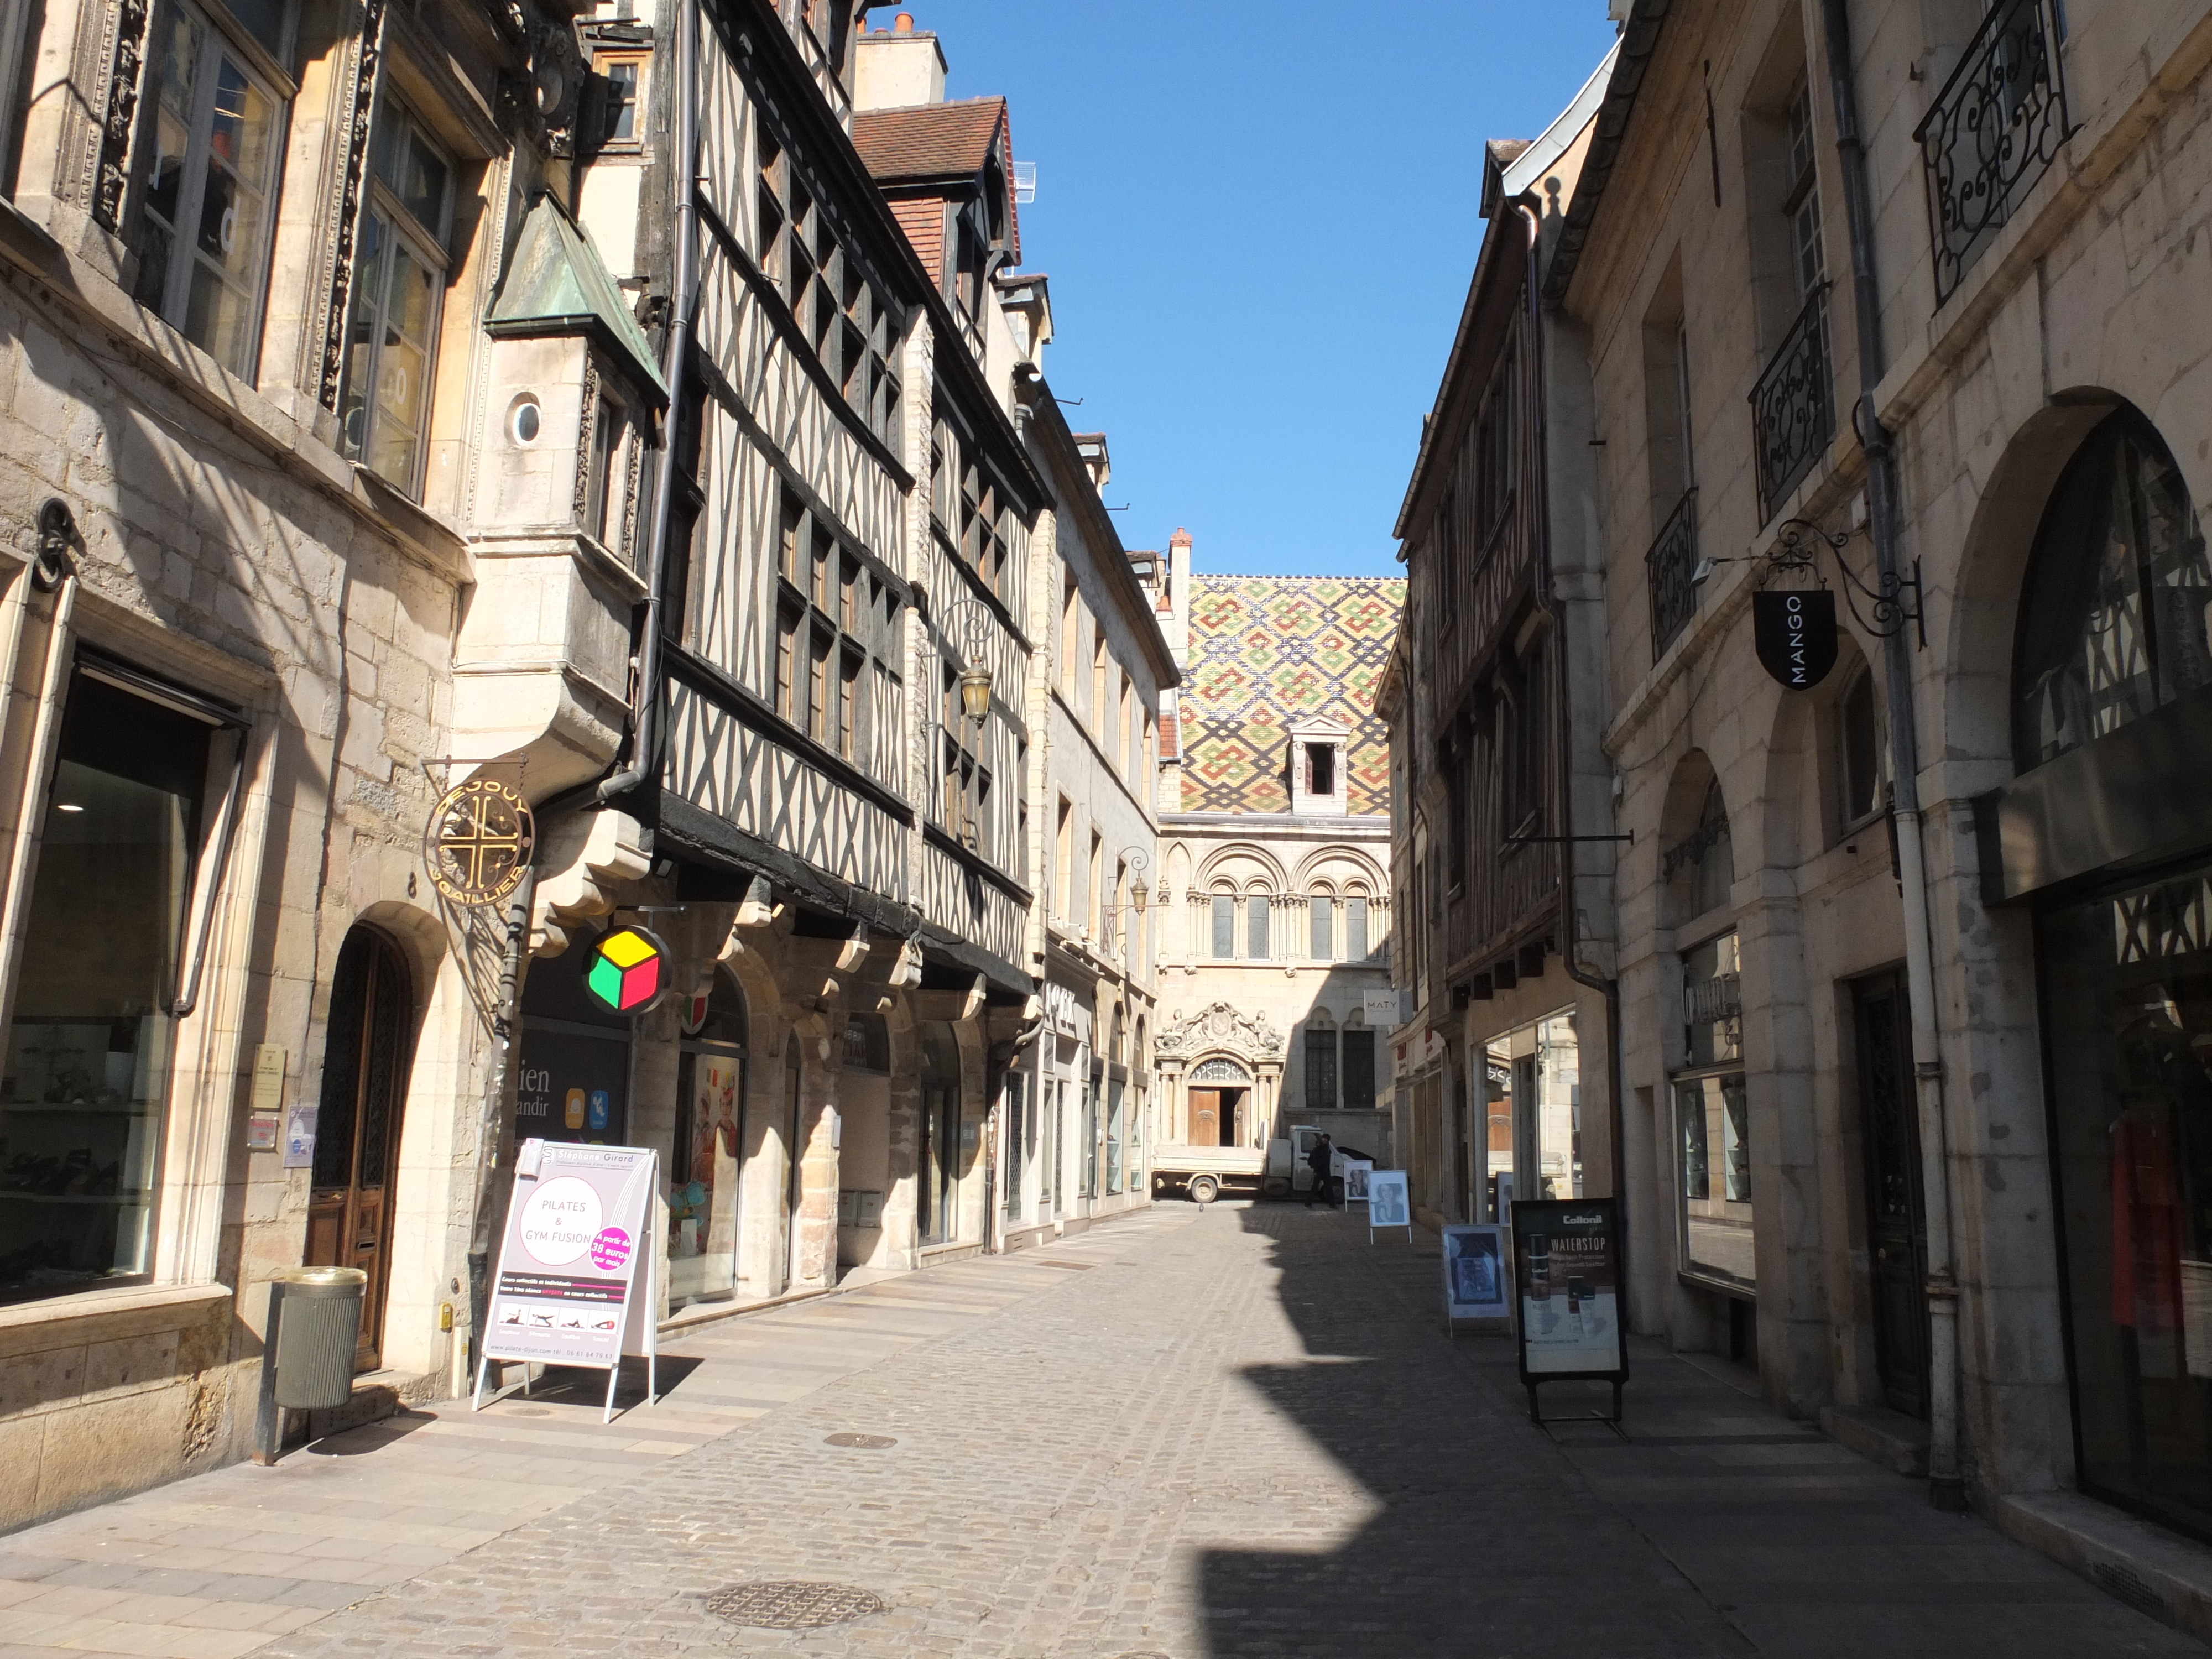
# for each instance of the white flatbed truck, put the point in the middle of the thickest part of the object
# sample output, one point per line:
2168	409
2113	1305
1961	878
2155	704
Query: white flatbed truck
1203	1174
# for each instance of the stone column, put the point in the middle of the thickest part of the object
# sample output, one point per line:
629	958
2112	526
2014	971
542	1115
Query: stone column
814	1227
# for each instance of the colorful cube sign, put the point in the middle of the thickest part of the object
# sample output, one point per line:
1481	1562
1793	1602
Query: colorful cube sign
627	969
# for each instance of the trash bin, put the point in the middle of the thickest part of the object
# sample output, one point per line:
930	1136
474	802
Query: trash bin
318	1327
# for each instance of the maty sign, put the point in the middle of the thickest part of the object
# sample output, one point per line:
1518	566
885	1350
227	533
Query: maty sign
1794	633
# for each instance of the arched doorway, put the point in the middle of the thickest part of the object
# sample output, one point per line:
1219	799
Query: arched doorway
1218	1090
368	1051
705	1193
2108	830
936	1172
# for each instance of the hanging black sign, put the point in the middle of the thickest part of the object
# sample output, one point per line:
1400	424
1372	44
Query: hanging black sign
1796	632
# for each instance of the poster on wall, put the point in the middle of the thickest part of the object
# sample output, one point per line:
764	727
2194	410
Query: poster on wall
1566	1260
1477	1281
1389	1203
575	1285
1356	1173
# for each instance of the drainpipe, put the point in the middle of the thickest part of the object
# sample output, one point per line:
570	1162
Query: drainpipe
1946	1485
1547	601
676	358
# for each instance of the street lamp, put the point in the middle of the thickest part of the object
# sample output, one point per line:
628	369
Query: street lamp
973	623
1135	860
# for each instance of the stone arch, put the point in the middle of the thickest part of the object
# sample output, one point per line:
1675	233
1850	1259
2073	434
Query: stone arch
1801	761
1983	622
1239	864
1339	865
1685	822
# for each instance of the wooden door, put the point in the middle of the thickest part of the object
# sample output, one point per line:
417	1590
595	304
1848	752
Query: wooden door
1205	1117
1232	1117
1897	1224
366	1055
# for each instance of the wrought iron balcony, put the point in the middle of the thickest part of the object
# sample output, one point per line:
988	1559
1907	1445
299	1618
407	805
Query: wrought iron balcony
1994	132
1670	565
1793	407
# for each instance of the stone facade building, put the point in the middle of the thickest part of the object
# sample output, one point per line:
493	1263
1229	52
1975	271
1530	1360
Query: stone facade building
386	413
1275	887
1898	308
1496	718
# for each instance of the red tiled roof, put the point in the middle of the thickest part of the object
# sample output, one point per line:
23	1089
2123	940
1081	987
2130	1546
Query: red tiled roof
1170	738
928	141
922	219
937	142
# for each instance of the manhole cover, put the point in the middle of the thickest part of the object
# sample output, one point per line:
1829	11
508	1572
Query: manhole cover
866	1442
793	1605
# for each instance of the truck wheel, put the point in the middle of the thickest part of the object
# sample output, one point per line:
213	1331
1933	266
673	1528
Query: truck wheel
1275	1187
1203	1189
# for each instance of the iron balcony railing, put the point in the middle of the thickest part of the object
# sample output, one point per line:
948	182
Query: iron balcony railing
1670	565
1793	407
1995	129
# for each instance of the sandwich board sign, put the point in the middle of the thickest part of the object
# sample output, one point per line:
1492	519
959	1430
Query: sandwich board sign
1567	1257
575	1282
1388	1204
1478	1280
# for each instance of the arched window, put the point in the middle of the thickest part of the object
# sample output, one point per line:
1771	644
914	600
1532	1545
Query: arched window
2113	620
1712	871
1859	753
1323	909
1218	1070
1224	924
1355	925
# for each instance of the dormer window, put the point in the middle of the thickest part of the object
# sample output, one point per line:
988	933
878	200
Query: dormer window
1317	768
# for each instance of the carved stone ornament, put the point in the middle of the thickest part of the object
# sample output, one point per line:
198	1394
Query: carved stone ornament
346	231
1221	1026
126	60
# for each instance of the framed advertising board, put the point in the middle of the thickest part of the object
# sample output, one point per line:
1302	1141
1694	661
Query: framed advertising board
1357	1172
1478	1273
1387	1203
1566	1259
575	1285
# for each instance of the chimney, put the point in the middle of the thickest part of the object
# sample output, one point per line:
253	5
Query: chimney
898	67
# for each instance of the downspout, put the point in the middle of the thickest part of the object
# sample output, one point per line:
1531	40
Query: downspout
1946	1485
1548	602
676	357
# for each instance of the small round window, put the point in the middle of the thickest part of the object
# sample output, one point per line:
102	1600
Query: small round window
525	420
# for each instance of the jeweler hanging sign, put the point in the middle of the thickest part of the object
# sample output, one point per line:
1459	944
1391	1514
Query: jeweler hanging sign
1794	633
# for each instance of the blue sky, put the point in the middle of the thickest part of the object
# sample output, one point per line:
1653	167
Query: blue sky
1259	221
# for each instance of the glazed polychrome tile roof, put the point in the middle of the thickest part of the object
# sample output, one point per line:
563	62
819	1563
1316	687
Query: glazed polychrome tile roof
1268	652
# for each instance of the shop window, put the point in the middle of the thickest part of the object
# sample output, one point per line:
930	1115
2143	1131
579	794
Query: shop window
2114	621
1712	1120
399	277
574	1071
1116	1093
704	1190
205	189
82	1098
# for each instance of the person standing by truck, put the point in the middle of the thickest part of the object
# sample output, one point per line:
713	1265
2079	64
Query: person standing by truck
1318	1160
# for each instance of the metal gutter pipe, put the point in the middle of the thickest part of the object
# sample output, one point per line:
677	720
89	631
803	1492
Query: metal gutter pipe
1547	601
1946	1485
675	357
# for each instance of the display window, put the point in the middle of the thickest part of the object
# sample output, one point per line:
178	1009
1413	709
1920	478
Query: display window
1717	1219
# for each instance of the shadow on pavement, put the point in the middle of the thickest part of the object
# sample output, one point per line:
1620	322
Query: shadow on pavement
1485	1546
1713	1526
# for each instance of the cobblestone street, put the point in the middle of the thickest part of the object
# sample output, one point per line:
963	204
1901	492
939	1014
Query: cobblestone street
1234	1432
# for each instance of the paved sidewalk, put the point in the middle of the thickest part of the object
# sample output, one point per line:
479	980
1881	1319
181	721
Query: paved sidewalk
1239	1431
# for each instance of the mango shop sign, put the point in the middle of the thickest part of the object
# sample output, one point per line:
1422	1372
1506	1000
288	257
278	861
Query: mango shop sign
1059	1010
1794	633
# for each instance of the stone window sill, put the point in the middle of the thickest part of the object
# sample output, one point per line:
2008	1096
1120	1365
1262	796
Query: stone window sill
65	1321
